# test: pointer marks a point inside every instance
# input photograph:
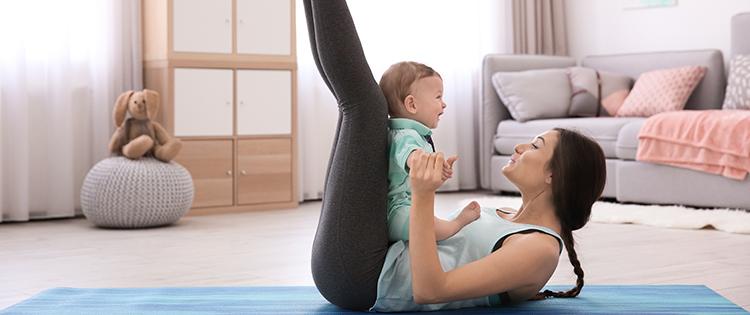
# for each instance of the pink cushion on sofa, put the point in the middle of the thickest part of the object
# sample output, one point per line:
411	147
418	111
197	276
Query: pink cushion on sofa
661	91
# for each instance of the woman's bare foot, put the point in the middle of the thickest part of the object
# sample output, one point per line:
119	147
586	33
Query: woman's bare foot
469	214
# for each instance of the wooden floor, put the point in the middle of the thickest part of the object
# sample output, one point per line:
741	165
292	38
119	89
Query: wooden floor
273	248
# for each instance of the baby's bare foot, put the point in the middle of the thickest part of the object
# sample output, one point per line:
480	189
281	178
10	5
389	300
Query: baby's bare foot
469	214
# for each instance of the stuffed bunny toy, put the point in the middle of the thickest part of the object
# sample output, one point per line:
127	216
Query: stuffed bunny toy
140	135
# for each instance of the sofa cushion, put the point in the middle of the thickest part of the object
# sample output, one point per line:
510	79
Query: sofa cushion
604	130
661	91
587	84
627	142
534	94
738	87
615	90
584	100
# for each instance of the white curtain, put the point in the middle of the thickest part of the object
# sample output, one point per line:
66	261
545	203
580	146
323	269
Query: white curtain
452	36
62	64
539	27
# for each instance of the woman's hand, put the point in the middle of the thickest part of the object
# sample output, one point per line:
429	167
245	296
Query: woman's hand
426	173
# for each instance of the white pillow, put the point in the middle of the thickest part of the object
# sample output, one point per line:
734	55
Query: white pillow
738	85
534	94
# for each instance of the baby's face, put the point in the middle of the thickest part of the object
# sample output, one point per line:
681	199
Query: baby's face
428	96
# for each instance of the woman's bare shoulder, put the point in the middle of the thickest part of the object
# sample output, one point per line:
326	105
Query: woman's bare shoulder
536	242
536	255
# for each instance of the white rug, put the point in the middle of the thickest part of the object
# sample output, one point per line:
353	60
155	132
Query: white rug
728	220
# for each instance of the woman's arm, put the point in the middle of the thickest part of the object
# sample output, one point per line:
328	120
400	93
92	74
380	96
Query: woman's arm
521	267
426	270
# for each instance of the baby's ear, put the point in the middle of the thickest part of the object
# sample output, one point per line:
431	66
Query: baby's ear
410	104
152	103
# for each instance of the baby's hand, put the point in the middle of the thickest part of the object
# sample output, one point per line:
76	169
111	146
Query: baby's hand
425	175
448	167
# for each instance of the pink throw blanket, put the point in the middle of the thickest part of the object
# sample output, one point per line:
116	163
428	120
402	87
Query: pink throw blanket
713	141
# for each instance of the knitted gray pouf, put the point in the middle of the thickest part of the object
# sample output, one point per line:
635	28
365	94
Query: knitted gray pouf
123	193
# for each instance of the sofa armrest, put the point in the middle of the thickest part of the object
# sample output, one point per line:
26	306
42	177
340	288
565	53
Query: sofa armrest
740	42
491	110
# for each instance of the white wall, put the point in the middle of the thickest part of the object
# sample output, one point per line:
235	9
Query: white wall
604	27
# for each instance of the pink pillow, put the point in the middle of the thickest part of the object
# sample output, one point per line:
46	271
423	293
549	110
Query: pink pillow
661	91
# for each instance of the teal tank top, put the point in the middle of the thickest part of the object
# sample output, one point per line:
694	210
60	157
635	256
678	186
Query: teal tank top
475	241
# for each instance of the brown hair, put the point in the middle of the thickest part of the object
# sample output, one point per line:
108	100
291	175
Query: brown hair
579	174
397	80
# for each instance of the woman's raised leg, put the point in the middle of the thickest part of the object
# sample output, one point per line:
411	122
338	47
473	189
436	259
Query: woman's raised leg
351	241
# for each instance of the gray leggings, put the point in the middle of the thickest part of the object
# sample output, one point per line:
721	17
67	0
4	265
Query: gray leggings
351	241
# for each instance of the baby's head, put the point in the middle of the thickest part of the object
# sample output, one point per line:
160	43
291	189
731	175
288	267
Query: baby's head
413	91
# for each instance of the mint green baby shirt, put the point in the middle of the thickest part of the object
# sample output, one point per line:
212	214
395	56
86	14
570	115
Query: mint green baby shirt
405	136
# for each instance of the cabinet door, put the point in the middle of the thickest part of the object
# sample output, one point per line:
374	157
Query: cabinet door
264	102
210	164
203	102
264	27
203	26
265	171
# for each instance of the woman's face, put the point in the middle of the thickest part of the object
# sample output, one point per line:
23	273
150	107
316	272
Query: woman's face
528	166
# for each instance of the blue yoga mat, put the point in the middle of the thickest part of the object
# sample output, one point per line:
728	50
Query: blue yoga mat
594	299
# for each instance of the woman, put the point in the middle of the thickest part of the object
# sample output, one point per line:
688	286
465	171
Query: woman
493	260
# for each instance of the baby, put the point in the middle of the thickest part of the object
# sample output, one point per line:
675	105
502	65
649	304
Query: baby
415	102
